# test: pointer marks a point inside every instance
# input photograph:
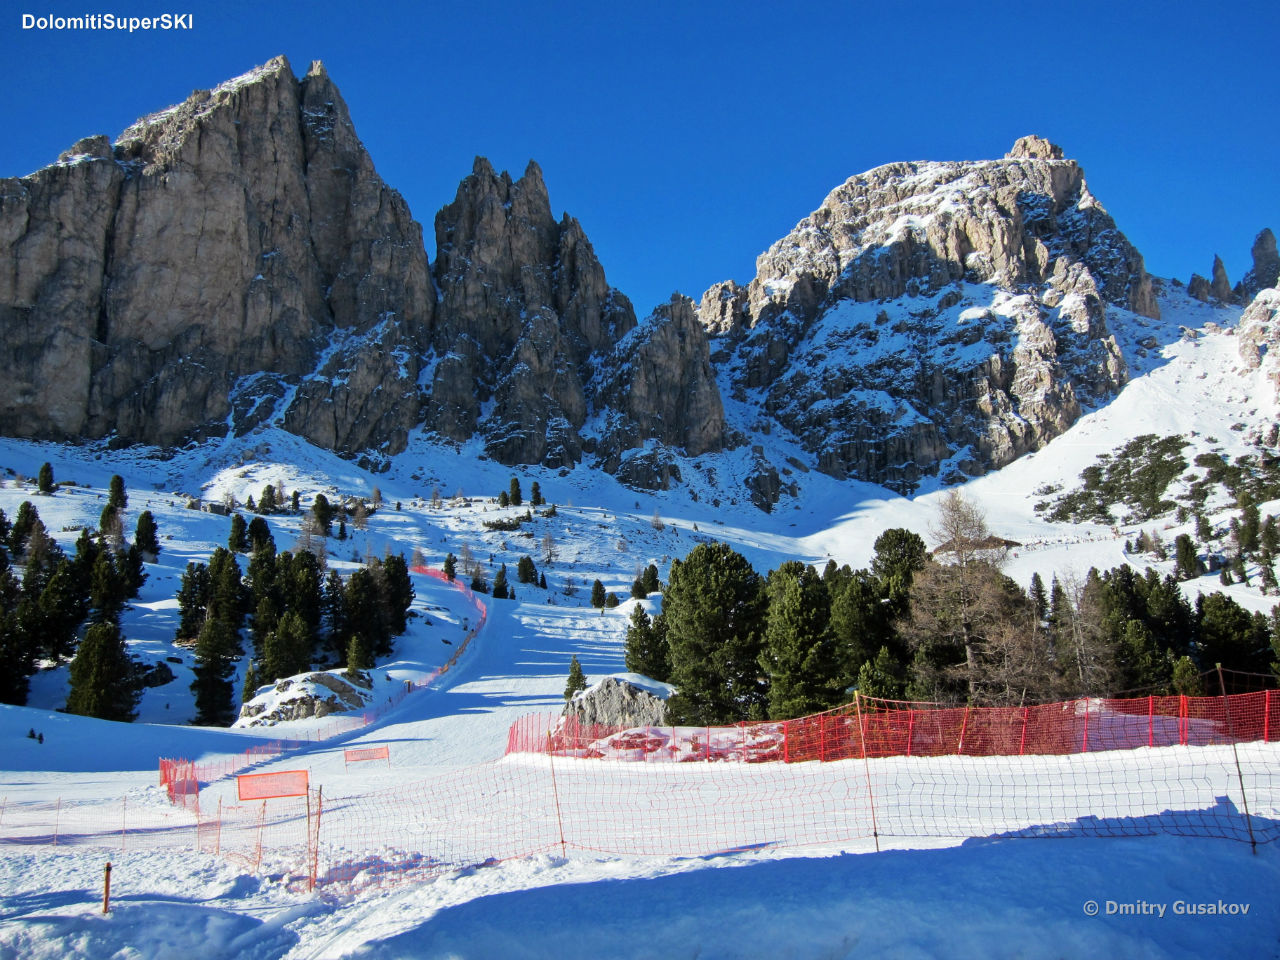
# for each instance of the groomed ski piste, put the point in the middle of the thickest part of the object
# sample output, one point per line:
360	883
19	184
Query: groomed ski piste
535	856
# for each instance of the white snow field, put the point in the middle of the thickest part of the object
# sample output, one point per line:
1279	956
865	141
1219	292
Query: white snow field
448	849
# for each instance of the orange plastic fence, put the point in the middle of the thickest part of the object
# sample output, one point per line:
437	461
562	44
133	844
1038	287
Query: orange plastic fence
182	778
886	728
361	754
267	786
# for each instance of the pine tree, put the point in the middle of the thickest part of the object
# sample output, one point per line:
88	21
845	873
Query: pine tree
259	534
597	594
450	567
145	537
286	651
535	494
102	676
335	613
17	661
364	621
111	528
61	609
23	523
798	655
117	499
650	579
500	591
646	646
1186	565
714	610
1039	598
193	600
504	499
323	512
44	478
216	653
359	656
251	682
396	593
542	581
637	589
238	539
526	572
514	494
267	502
107	590
1186	678
878	678
577	681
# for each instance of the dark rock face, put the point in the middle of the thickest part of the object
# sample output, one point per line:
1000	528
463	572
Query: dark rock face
237	234
236	260
935	317
1266	268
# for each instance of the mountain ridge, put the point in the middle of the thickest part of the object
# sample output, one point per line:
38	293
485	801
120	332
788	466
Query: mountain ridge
235	261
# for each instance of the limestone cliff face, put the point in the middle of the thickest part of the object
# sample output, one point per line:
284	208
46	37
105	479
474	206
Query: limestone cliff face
935	317
1258	336
236	260
525	317
202	267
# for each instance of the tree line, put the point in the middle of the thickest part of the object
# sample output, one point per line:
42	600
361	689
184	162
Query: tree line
296	612
64	607
947	627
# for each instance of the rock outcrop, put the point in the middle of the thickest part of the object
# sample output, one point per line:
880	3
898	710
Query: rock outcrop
215	253
1266	268
305	696
935	317
235	261
1220	286
615	702
1258	336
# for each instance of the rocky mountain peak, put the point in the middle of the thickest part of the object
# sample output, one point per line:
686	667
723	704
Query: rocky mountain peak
1034	148
934	317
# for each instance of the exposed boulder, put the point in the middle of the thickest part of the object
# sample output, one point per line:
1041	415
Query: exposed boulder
617	702
1258	336
305	696
1199	288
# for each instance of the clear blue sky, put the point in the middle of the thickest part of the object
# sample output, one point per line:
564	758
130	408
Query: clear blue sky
689	136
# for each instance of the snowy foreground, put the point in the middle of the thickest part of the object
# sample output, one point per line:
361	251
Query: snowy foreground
979	857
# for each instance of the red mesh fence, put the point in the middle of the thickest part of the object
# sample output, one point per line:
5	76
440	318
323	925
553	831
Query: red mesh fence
182	778
887	728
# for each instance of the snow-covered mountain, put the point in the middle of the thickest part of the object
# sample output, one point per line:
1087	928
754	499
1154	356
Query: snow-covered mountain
234	265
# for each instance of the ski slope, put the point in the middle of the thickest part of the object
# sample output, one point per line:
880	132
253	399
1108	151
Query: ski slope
926	894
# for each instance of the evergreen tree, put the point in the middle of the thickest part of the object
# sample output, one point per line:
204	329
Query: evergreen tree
542	581
714	610
514	494
879	678
647	652
900	555
107	591
323	512
364	621
17	661
145	537
1230	636
215	654
1186	678
61	610
44	478
335	613
478	583
535	494
637	589
24	522
265	617
117	499
5	528
1039	598
359	656
133	571
286	651
294	506
500	591
650	579
228	600
526	572
577	681
102	676
193	600
861	620
251	682
450	567
396	593
259	534
111	528
1186	565
597	594
504	499
798	655
304	591
267	502
238	540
